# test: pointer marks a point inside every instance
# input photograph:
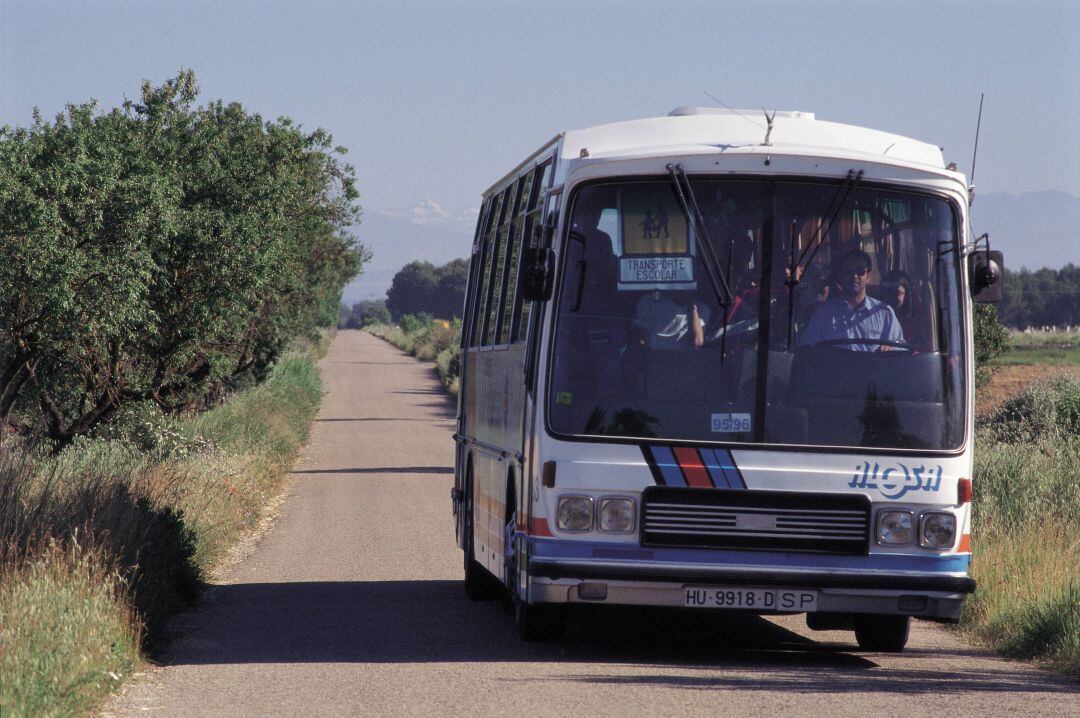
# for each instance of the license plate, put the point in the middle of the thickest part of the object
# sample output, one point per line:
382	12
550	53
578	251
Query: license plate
755	599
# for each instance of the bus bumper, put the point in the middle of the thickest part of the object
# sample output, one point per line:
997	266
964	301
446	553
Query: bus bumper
930	595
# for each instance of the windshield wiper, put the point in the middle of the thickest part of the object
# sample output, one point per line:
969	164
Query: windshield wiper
720	285
684	189
797	267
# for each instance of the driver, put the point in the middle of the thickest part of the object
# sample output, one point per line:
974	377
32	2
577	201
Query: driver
854	315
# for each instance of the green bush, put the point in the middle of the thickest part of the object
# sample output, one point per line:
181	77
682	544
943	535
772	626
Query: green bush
428	339
161	252
991	340
1044	409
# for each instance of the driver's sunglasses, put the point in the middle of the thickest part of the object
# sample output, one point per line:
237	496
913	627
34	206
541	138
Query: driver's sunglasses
858	271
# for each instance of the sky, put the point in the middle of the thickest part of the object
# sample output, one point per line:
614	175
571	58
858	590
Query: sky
437	100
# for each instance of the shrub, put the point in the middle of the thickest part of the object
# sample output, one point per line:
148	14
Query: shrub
991	342
1044	409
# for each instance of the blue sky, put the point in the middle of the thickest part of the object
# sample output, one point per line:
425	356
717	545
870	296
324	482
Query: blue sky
437	100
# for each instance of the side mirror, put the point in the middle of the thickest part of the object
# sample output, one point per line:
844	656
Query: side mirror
538	274
986	270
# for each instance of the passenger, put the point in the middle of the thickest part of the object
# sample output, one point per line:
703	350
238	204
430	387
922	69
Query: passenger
671	321
854	315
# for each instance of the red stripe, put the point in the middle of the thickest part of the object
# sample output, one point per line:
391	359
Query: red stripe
539	527
693	467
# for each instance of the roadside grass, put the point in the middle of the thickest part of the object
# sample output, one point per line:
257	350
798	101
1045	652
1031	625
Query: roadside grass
429	340
160	500
1026	537
69	635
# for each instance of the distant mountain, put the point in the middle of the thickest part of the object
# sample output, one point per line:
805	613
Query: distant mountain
1034	230
422	232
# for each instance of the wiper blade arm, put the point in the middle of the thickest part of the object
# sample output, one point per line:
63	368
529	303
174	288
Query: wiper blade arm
684	190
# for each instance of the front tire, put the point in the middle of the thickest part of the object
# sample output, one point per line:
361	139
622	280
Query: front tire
887	634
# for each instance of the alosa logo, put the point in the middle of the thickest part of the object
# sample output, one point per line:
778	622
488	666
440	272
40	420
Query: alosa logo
896	480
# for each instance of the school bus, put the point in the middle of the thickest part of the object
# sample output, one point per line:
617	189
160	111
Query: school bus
716	361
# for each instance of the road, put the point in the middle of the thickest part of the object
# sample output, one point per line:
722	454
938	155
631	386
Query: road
352	604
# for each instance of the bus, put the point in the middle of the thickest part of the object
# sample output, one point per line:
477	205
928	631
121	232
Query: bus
716	361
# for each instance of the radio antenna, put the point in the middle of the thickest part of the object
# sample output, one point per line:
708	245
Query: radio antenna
975	152
717	101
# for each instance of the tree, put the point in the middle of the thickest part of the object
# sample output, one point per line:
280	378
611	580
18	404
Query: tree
412	290
421	288
162	252
451	281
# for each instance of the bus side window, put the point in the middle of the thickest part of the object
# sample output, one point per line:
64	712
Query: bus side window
495	286
484	273
513	257
476	258
530	234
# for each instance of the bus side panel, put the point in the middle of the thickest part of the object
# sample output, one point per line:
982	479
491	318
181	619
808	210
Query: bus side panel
497	408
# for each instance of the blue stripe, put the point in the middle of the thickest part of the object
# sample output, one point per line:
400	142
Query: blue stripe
712	463
731	472
950	563
669	467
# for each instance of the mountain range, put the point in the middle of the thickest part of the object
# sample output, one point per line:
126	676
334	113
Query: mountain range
1034	230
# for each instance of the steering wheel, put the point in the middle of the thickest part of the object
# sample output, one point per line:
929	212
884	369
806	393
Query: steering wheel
848	341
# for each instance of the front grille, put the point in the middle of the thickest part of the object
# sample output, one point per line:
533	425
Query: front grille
755	520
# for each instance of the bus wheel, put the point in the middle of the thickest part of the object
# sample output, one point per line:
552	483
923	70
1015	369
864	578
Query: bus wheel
479	584
888	634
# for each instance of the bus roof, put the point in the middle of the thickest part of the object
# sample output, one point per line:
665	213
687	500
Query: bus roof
696	129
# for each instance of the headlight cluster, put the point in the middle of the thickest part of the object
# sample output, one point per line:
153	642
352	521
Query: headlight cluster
613	514
896	527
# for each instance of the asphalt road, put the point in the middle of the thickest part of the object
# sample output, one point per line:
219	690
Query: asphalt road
352	604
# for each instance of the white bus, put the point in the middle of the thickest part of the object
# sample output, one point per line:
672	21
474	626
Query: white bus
715	361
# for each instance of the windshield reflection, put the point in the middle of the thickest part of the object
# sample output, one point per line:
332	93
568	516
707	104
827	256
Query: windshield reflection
842	329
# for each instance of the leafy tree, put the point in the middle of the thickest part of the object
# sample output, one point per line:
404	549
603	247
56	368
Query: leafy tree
161	252
421	287
412	290
451	281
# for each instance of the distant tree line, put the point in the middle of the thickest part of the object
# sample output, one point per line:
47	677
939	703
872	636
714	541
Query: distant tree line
161	252
1041	298
422	288
363	313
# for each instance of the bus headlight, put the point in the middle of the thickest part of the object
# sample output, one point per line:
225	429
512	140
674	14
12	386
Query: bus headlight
937	530
895	527
617	514
574	513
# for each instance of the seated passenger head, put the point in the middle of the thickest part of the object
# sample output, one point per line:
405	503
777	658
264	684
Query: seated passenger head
896	287
853	274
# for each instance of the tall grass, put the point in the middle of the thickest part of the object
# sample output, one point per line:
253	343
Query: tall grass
1026	538
68	633
158	500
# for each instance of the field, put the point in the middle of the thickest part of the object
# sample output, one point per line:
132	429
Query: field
1034	356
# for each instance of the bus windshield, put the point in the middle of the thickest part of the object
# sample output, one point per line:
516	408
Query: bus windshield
842	329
